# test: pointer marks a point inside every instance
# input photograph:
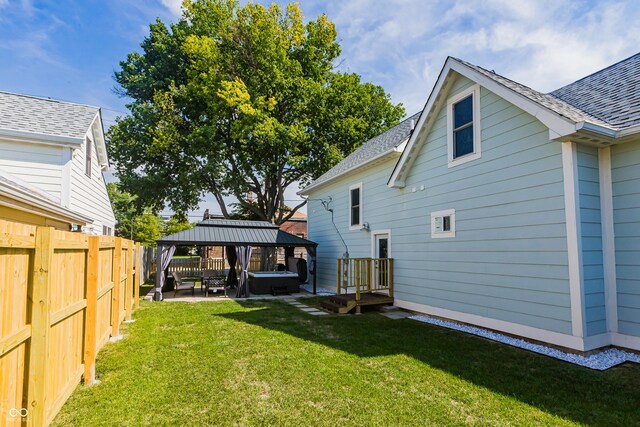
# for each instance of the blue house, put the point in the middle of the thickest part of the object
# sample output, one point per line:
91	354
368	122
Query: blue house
501	207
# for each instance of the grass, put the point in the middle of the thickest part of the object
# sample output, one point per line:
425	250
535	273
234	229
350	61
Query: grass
267	363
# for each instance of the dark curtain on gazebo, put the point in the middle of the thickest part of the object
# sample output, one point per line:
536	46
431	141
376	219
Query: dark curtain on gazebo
312	251
244	256
232	277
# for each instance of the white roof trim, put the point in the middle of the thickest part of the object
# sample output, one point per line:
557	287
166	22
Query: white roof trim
381	156
42	138
101	146
38	205
558	125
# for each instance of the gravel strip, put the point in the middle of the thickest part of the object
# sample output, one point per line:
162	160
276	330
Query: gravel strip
598	361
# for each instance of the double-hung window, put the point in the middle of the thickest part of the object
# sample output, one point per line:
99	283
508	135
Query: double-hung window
463	126
355	207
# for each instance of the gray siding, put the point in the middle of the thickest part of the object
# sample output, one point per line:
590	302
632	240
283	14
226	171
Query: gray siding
508	260
590	222
625	175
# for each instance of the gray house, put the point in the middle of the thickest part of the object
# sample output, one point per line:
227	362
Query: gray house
501	206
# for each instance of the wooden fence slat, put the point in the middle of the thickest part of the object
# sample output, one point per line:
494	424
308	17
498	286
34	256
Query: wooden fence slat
105	289
115	294
69	244
17	242
90	335
67	312
40	327
9	343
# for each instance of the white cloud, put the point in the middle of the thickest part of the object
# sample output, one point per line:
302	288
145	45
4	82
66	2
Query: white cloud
402	44
174	6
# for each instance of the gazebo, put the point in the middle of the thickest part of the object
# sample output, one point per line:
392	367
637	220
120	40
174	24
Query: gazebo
238	237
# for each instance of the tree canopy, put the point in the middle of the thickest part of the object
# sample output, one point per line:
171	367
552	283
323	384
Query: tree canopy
234	99
142	226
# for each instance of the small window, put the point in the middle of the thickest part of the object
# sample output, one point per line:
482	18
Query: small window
87	158
355	206
443	224
463	126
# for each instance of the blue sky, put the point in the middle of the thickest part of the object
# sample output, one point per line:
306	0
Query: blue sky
69	49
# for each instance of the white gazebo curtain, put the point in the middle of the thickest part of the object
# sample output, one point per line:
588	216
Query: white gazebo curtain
244	256
163	258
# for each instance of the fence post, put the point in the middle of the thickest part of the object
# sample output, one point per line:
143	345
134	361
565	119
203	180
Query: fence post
91	315
40	327
128	303
115	292
136	285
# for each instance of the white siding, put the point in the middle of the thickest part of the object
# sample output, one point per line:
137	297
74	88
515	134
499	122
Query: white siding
37	164
89	194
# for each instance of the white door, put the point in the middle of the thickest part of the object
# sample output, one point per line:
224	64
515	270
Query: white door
381	253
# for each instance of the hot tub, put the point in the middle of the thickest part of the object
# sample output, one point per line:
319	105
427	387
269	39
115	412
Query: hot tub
262	282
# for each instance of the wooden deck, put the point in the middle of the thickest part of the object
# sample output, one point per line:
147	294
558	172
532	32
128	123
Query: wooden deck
345	303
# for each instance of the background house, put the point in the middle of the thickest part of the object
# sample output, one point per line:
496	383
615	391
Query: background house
52	156
505	207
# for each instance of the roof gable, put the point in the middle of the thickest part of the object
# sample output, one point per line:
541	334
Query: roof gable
50	121
560	117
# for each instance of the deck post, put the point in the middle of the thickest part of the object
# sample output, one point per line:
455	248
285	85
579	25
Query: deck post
338	276
390	274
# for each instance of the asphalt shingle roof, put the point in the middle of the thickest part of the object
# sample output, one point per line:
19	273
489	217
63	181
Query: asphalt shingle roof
611	94
549	101
24	113
222	232
377	145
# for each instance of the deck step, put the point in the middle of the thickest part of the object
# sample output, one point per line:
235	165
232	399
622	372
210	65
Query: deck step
337	307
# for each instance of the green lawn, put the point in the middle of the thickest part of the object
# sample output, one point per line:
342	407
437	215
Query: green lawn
267	363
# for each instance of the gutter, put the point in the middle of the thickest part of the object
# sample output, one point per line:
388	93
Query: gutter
397	149
600	130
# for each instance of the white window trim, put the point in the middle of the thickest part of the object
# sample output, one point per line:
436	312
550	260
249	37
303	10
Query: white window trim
88	155
375	233
359	225
477	143
443	234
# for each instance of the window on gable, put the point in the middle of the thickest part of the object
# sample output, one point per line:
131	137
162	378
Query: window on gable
355	206
87	157
463	126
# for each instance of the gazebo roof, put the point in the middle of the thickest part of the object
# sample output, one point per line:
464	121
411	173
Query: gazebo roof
228	232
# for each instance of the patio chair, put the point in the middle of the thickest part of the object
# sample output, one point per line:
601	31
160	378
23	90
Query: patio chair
214	280
182	285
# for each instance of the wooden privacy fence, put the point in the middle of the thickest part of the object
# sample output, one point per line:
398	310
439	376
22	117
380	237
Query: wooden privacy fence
62	295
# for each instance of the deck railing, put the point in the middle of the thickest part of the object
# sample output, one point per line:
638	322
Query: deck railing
365	275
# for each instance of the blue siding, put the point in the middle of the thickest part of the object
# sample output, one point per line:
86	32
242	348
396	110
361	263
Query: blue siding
508	260
593	272
625	175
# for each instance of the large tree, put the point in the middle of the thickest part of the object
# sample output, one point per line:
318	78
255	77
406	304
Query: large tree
234	99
